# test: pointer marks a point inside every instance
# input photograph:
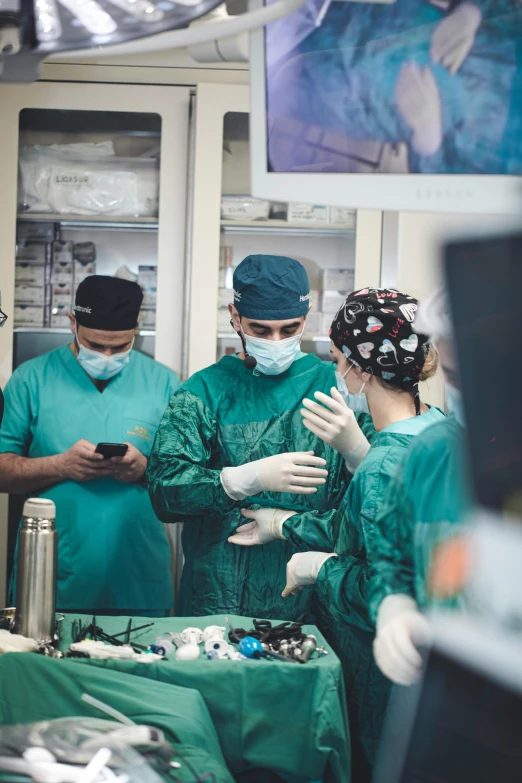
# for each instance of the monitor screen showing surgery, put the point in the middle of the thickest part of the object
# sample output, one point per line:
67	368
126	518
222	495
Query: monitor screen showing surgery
416	86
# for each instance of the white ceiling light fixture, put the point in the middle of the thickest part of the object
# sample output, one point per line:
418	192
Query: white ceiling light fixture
34	30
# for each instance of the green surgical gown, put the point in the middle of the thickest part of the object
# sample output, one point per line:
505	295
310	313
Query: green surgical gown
426	504
113	552
342	590
224	416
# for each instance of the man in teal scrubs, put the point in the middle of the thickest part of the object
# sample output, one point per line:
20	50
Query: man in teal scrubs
113	553
232	438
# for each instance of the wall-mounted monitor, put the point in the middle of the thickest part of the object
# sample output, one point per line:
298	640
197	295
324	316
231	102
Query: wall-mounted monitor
413	105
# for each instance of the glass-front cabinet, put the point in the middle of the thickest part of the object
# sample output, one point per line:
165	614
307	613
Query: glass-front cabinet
338	247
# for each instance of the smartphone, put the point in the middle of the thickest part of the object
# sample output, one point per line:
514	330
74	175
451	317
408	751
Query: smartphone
111	450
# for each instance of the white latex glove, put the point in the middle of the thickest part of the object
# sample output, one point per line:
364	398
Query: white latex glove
400	627
267	526
303	569
418	100
454	36
335	423
299	473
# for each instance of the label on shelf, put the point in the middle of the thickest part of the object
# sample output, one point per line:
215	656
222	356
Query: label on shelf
307	213
244	208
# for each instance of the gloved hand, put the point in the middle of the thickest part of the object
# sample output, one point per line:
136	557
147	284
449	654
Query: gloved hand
335	423
400	627
418	100
298	473
303	569
267	526
454	36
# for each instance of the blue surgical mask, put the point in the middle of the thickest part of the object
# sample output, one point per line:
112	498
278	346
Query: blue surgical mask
454	404
273	356
357	402
99	366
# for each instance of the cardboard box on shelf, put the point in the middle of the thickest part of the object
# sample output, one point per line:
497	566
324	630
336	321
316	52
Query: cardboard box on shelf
29	273
307	213
327	323
62	296
28	315
63	252
338	280
147	319
332	301
60	316
342	216
244	208
148	276
225	297
31	252
30	295
314	321
63	272
82	270
223	321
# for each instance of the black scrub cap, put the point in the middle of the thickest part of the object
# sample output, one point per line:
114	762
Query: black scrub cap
374	330
108	303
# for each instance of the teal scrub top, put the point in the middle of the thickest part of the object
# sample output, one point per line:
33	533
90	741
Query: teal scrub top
113	552
342	589
427	503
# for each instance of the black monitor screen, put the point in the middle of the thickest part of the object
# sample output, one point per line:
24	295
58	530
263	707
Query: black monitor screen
485	287
467	729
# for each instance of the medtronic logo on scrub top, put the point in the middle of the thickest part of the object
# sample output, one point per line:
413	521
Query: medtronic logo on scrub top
139	432
80	309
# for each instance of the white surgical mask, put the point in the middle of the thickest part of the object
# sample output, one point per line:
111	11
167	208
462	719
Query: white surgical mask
357	402
99	366
273	356
454	404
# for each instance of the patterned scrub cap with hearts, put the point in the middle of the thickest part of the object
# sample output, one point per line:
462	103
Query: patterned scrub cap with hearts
374	330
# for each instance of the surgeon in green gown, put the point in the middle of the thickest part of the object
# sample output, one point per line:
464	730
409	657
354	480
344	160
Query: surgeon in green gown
113	553
232	439
379	361
425	508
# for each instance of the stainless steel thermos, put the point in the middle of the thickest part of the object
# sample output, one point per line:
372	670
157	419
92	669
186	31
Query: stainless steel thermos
36	571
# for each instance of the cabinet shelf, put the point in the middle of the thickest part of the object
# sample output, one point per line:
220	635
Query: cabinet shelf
51	330
100	222
283	228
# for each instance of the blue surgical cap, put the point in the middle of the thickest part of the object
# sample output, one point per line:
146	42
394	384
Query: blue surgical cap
271	288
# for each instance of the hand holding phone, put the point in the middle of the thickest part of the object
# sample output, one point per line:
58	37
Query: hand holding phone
108	450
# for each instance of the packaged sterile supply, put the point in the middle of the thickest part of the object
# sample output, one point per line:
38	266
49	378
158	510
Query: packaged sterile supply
338	280
30	295
244	208
28	315
148	276
147	319
332	301
29	273
57	179
307	213
342	216
83	270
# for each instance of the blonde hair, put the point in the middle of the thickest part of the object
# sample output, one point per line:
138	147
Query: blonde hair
430	366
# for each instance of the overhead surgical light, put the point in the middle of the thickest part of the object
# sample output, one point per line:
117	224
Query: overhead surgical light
34	30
